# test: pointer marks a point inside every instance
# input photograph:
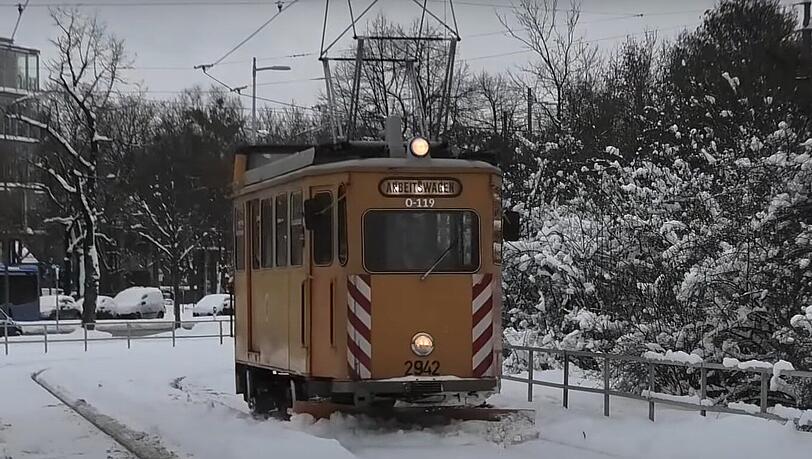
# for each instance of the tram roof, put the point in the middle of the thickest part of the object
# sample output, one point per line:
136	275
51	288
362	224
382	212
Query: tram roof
266	162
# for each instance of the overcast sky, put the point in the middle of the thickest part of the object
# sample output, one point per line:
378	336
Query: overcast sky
166	39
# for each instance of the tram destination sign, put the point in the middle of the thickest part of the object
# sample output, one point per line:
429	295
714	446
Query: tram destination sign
405	186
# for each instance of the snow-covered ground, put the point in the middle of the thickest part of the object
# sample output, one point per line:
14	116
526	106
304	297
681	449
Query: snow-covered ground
184	399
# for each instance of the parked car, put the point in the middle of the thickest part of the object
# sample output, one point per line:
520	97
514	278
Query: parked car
8	325
68	308
139	303
213	305
105	307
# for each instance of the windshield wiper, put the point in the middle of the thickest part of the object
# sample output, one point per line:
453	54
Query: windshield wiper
439	260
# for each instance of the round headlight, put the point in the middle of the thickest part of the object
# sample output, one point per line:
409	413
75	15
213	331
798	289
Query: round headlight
422	344
419	147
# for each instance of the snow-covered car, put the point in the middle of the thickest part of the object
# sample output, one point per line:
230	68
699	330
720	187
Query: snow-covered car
68	308
213	305
105	306
139	303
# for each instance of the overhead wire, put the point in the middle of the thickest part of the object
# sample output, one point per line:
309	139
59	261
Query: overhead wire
251	35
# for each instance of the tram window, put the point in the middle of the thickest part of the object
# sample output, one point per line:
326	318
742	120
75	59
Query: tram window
239	238
296	229
342	225
266	211
256	231
282	230
413	240
323	230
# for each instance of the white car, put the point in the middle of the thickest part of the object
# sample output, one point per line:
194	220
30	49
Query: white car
213	305
139	303
68	308
105	306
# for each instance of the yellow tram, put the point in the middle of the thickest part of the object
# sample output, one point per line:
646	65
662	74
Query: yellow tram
367	274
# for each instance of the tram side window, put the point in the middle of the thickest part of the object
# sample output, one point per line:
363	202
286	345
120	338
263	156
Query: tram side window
282	230
296	229
256	230
342	225
266	211
323	231
239	238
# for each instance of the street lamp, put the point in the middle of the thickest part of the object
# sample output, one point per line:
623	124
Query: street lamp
254	70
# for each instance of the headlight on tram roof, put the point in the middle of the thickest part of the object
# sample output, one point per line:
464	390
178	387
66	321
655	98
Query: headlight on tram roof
422	344
419	147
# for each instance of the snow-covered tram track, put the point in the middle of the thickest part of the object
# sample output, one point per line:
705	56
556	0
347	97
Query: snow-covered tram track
139	444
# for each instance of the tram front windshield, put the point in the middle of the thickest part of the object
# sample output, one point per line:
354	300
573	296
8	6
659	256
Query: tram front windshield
406	241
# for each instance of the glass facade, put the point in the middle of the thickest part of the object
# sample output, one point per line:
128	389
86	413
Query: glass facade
19	76
19	68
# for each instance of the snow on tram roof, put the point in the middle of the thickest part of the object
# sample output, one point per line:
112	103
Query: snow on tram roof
306	163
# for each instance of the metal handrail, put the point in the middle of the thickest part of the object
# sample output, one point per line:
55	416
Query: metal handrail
652	400
128	336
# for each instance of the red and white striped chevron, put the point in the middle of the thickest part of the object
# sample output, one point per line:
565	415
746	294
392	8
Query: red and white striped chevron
482	325
359	326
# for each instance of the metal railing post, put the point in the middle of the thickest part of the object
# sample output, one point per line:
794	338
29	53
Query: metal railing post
606	385
764	387
45	327
703	388
5	334
173	335
220	323
530	375
85	333
231	320
566	380
128	335
651	392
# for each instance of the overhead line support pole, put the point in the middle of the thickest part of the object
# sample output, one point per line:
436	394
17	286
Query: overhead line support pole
254	101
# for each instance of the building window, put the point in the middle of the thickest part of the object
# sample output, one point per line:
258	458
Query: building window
266	211
323	230
296	229
282	230
342	225
239	238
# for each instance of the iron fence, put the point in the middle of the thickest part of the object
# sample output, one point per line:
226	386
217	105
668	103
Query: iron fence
119	330
650	395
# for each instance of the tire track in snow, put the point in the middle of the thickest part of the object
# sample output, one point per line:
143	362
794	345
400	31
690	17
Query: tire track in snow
140	444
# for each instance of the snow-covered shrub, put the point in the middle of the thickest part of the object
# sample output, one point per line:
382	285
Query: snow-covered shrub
669	255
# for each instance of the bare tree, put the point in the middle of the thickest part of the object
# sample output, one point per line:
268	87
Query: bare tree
562	56
490	102
83	76
290	125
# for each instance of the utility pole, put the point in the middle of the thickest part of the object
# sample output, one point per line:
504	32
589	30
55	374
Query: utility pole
6	246
254	70
806	30
529	111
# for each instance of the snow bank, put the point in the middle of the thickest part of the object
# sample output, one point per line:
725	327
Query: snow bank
730	362
694	399
673	356
746	407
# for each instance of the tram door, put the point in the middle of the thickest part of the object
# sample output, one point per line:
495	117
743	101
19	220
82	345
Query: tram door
296	277
252	250
325	281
